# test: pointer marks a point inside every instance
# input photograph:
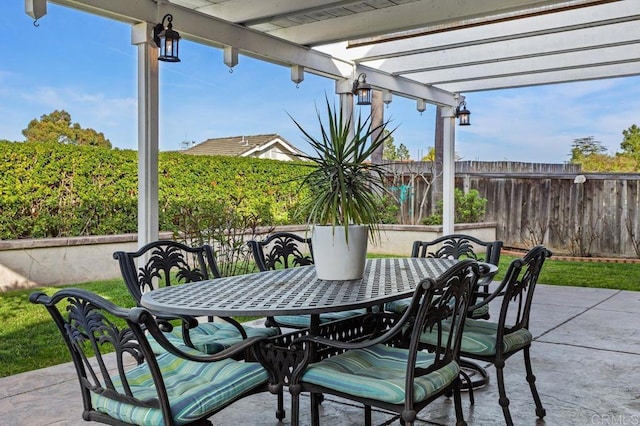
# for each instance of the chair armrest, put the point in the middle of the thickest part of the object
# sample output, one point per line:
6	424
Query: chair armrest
143	316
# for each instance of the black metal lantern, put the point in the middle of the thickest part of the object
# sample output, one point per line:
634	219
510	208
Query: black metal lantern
167	40
363	90
463	114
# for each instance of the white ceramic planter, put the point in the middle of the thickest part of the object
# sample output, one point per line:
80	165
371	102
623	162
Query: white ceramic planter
333	258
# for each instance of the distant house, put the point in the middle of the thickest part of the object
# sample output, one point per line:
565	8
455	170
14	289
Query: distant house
272	146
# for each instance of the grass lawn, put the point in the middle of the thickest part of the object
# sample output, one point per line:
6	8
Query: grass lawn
29	339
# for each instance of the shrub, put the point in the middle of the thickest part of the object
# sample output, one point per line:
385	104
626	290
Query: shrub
57	190
470	208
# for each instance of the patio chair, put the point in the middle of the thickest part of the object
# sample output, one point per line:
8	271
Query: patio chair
123	381
389	370
282	250
495	342
173	263
459	246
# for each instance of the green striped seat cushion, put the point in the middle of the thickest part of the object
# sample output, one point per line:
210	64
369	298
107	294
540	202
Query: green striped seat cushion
479	338
399	306
303	321
194	389
212	337
379	373
479	312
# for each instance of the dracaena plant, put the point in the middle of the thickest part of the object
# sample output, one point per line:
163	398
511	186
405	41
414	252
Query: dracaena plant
345	186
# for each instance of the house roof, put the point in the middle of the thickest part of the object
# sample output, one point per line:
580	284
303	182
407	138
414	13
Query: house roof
242	146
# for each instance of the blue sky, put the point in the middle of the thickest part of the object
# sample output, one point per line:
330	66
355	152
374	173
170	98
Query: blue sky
86	65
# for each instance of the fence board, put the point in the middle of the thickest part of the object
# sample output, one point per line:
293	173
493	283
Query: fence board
534	204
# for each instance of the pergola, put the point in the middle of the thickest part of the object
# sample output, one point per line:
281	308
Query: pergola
432	51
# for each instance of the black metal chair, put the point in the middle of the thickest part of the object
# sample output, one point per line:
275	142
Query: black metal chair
124	382
497	341
287	250
389	370
168	263
459	246
281	250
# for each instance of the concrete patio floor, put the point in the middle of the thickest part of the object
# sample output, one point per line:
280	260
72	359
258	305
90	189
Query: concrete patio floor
586	358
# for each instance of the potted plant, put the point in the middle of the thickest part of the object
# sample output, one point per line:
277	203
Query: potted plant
344	207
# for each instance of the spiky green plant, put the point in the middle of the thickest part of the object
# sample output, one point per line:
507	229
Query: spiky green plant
345	186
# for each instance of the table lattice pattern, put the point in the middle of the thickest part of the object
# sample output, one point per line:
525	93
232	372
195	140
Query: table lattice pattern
296	290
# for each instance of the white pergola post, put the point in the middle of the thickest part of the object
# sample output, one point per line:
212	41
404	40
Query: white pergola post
148	88
448	170
344	89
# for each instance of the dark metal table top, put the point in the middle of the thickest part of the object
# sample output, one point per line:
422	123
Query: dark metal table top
296	290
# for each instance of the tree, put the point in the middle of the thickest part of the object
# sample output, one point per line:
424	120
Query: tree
403	153
584	147
390	152
431	154
631	141
57	127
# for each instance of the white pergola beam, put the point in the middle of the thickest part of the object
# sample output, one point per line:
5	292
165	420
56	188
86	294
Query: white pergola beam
211	31
530	66
542	78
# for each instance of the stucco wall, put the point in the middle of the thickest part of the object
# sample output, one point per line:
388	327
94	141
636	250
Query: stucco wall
55	261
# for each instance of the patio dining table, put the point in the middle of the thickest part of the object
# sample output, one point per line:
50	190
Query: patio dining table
298	291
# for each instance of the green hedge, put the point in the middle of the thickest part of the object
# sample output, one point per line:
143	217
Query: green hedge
56	190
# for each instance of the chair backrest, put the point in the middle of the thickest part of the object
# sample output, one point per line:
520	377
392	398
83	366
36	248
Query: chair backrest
94	327
440	306
281	249
165	263
458	246
517	289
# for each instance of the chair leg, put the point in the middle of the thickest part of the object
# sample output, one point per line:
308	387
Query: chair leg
295	405
315	409
540	411
457	402
367	415
467	380
503	400
280	413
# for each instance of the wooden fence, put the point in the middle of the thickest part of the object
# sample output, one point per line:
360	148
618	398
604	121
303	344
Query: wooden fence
572	212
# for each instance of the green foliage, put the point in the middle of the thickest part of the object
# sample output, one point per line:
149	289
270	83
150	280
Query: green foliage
590	154
619	163
584	147
389	152
631	142
344	184
403	153
389	209
393	153
57	127
431	154
470	208
56	190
